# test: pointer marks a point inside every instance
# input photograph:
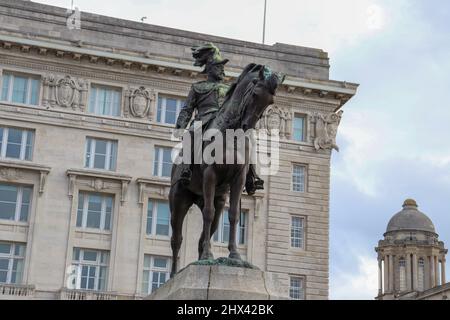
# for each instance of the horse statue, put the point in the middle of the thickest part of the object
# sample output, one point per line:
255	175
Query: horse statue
244	104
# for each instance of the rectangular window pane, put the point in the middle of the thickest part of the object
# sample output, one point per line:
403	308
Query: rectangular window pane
6	78
19	93
101	154
11	262
298	178
159	110
150	217
171	110
299	128
14	143
296	290
163	217
155	273
8	199
167	162
92	268
94	211
29	145
34	96
297	232
104	101
168	109
26	199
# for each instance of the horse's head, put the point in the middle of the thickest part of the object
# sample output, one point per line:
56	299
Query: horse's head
261	92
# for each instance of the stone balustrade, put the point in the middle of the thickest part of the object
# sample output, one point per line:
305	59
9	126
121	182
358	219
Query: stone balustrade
16	291
69	294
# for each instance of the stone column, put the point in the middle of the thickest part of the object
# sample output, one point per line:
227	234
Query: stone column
414	272
380	281
432	273
443	281
408	272
391	273
436	271
386	273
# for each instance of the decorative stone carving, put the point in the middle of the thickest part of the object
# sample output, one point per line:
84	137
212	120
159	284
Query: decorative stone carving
64	92
138	102
10	174
98	184
326	129
276	117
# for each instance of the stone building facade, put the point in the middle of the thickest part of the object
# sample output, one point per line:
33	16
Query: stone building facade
86	116
411	259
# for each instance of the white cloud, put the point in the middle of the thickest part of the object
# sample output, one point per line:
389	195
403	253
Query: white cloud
362	285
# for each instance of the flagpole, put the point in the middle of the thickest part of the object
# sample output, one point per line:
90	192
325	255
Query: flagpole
264	23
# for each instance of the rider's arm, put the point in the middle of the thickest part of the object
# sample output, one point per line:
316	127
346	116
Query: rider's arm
186	112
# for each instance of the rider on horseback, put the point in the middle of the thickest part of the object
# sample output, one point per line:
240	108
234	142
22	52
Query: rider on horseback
207	97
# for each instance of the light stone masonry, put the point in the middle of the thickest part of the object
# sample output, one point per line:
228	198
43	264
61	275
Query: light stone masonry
147	61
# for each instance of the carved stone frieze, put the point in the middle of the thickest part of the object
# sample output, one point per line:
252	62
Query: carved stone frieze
64	92
276	117
326	129
10	174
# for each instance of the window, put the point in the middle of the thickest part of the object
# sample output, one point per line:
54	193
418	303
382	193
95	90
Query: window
101	154
15	202
156	273
158	218
298	178
297	232
162	164
94	211
20	88
402	271
297	288
298	128
16	143
421	275
91	269
222	233
168	109
11	262
104	101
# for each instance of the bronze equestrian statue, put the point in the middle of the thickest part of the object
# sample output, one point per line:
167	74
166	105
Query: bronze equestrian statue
207	185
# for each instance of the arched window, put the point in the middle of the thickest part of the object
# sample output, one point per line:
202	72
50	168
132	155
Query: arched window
402	266
421	275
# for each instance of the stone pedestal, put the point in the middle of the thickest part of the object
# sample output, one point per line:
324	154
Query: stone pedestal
218	282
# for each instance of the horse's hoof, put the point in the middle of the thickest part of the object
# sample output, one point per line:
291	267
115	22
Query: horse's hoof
207	256
234	255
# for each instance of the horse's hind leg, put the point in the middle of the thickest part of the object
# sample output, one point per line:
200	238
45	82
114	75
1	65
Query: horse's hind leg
180	201
234	213
219	203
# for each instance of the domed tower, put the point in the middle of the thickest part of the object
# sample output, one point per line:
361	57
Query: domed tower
411	259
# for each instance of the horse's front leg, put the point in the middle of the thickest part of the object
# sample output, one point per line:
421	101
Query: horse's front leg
209	189
234	213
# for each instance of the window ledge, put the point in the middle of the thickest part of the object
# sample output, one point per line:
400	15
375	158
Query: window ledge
92	231
11	170
18	104
157	237
13	223
96	176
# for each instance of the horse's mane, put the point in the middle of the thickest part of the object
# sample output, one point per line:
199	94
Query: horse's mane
233	114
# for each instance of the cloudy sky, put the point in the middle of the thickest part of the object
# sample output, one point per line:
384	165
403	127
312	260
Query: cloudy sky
394	136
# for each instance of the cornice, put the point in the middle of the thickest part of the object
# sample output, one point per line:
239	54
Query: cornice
341	91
